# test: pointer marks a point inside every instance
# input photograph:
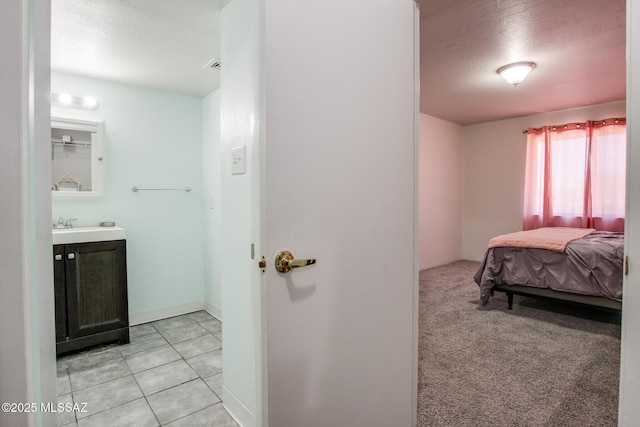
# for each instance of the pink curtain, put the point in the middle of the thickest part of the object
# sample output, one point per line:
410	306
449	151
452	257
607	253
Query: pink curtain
575	176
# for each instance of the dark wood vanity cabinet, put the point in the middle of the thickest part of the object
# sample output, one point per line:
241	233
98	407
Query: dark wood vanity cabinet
91	306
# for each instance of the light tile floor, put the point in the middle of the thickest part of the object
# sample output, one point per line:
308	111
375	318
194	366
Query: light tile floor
170	374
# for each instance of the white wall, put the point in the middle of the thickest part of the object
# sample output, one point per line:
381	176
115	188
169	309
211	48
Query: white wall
27	353
152	139
14	358
494	158
212	193
441	189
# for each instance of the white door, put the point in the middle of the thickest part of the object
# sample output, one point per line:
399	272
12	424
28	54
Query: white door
629	410
340	188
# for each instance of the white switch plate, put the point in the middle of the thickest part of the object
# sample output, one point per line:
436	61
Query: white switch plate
211	201
239	160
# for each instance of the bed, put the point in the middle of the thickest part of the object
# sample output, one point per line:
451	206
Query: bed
576	265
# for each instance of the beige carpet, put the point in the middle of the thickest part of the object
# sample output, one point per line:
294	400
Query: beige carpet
542	364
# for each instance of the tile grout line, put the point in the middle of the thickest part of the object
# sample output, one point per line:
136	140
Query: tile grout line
188	364
191	367
188	415
145	396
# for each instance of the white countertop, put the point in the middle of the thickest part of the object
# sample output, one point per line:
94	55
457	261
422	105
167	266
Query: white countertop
63	236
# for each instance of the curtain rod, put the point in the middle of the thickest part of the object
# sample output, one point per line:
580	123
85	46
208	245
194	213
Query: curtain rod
604	121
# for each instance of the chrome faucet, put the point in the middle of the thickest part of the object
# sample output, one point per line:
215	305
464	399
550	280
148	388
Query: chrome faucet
64	224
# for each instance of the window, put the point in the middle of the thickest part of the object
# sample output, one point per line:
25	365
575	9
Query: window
575	175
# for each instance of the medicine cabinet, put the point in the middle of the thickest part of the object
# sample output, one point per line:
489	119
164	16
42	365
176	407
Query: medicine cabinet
77	163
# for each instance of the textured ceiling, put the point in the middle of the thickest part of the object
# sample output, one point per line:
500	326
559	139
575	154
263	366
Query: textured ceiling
578	46
151	43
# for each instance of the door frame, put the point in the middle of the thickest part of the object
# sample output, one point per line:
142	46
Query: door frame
628	409
416	205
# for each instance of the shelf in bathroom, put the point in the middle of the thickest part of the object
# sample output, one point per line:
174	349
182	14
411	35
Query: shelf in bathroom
63	236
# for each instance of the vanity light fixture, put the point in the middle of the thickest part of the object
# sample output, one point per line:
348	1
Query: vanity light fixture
515	73
65	99
90	102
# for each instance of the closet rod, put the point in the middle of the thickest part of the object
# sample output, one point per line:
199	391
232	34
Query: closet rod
135	189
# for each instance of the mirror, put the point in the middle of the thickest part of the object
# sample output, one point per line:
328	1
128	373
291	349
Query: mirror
77	169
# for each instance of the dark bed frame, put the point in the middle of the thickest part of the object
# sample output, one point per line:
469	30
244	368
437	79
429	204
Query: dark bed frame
545	293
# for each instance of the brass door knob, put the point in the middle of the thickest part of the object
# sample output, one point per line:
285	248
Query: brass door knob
285	262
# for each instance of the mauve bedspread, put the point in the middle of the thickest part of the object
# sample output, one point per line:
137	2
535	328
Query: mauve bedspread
591	265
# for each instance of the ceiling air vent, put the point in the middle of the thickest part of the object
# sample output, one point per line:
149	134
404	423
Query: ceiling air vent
214	64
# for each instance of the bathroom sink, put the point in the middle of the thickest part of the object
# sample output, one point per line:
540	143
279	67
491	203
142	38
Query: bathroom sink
63	236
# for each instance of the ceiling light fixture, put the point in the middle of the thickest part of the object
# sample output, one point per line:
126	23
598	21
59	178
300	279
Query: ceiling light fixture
515	73
64	99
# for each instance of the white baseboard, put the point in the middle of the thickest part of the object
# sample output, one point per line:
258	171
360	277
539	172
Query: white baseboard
163	313
213	310
236	409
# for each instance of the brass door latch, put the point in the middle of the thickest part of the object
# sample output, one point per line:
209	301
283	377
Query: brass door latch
626	265
262	264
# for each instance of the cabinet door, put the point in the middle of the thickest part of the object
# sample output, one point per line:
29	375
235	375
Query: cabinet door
60	291
96	287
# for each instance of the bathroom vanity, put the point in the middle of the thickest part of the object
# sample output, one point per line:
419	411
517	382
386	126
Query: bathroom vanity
90	280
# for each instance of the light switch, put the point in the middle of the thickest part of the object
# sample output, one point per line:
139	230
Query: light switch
239	160
211	201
